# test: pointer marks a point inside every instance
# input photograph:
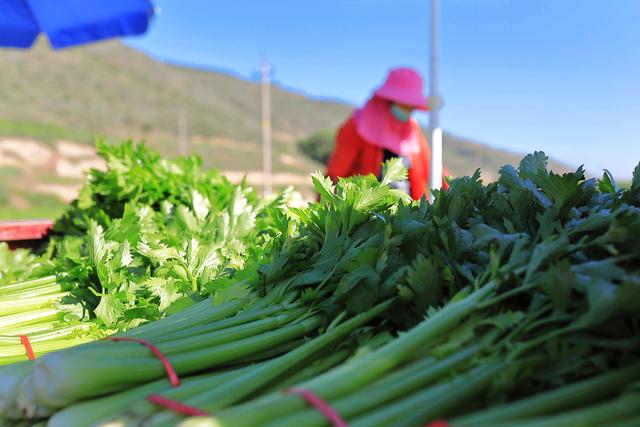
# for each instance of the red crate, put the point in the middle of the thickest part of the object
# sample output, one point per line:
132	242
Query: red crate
24	233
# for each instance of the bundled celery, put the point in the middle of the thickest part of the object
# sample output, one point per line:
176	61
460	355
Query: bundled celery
561	255
272	312
513	303
143	240
147	235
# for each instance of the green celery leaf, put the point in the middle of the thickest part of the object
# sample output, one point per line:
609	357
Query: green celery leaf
393	170
200	204
126	228
323	186
607	184
558	282
180	304
545	251
110	309
533	166
511	180
424	280
156	251
164	288
238	289
364	273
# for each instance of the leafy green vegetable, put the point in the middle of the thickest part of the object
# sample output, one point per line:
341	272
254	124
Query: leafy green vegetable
146	237
148	231
509	295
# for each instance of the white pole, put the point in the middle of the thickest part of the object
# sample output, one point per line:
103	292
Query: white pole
266	129
435	179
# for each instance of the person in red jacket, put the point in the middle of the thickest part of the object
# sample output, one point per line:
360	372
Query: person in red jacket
384	129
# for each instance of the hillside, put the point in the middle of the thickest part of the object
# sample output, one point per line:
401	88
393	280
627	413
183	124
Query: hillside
463	156
112	91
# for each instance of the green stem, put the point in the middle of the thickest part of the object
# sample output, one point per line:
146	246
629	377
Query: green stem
239	388
234	333
505	295
27	284
137	412
549	320
539	340
43	335
633	421
25	305
393	386
200	313
269	353
89	412
192	279
355	374
30	329
434	402
563	398
34	316
62	378
110	349
600	415
317	368
31	292
523	325
239	319
16	353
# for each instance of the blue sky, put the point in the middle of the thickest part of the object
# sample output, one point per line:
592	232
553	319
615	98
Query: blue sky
562	76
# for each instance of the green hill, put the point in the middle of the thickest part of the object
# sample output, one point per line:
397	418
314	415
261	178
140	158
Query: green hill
109	89
463	156
116	92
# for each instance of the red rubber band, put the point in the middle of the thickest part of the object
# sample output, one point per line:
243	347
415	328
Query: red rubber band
173	377
323	407
438	423
27	347
176	406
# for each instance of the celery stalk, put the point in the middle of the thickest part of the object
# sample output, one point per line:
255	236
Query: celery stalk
433	402
62	378
27	284
34	316
355	374
239	388
603	414
27	304
563	398
394	386
134	412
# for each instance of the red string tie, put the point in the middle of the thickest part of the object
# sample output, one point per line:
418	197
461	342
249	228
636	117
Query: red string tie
323	407
176	406
171	373
438	423
27	347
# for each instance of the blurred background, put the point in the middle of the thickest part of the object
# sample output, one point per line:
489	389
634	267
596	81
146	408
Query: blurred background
516	77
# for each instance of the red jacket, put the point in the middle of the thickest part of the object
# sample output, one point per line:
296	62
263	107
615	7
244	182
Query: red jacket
353	155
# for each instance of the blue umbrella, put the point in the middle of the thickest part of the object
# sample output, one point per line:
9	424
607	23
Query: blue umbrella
71	22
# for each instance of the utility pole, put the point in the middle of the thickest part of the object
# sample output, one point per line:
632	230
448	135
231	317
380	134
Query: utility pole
266	128
435	101
183	134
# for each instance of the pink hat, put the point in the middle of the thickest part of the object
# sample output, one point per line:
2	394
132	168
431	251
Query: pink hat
404	86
